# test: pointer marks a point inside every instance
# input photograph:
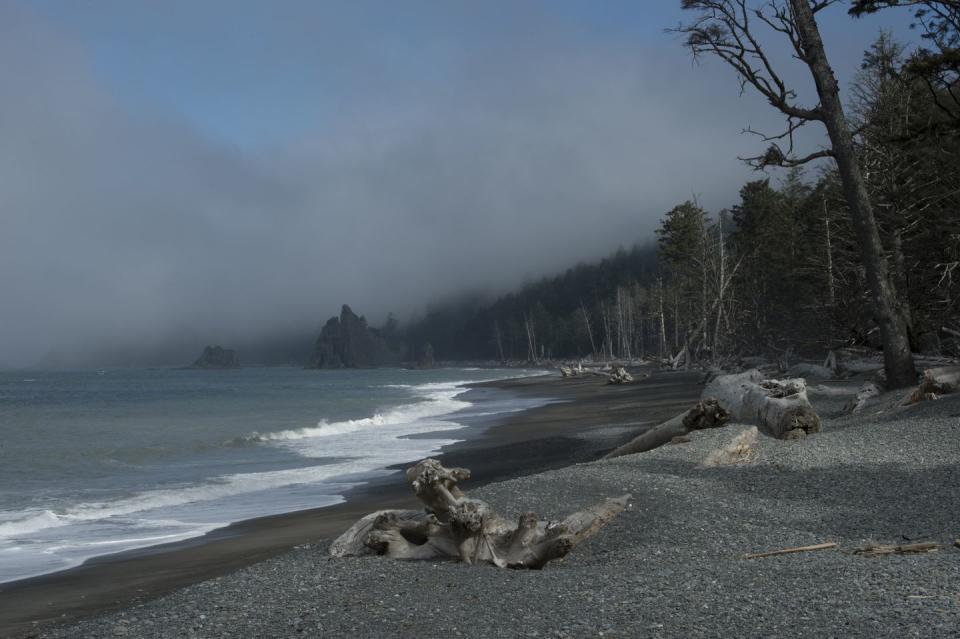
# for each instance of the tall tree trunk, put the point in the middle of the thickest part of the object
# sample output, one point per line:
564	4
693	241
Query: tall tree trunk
586	320
663	320
898	361
831	283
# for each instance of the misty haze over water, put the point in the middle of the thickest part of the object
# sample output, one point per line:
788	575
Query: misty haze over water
176	174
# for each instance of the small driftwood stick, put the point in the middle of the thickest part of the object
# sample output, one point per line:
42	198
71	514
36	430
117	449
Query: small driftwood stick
788	551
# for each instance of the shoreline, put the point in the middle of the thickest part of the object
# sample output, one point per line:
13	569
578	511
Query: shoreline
580	419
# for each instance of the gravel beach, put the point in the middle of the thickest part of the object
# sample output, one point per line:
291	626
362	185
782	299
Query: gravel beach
670	566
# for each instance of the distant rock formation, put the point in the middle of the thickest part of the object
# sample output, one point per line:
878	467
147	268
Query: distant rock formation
217	357
347	342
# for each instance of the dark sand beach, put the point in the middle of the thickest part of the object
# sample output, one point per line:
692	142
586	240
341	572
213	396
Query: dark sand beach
585	418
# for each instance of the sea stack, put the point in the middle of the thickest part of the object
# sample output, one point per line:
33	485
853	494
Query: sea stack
217	357
347	342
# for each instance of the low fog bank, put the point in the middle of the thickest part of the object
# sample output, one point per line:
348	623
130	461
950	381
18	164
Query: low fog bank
131	237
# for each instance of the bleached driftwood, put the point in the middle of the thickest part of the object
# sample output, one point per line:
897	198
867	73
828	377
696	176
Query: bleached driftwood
789	551
454	525
740	450
936	382
877	550
566	371
780	408
620	376
868	391
707	413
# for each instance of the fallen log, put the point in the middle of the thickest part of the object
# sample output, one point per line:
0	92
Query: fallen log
780	408
707	413
457	526
936	382
620	376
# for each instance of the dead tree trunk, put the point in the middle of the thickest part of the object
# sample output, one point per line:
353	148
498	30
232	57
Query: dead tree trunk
454	525
586	321
779	407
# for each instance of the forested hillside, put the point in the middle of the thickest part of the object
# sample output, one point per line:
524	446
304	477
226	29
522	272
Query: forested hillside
780	269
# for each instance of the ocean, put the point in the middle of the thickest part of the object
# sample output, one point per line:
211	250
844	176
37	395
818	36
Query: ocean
99	462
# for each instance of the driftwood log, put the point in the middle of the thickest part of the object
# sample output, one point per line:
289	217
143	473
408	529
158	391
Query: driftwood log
620	376
936	382
780	408
868	391
707	413
456	526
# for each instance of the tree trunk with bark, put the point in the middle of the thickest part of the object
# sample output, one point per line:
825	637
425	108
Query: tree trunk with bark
898	360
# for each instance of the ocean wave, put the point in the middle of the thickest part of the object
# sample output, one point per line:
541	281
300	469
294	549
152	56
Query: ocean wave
439	399
17	525
29	522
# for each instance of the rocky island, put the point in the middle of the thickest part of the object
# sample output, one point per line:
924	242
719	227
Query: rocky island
216	357
348	342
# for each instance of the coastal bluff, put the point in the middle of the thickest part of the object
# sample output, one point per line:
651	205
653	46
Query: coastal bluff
348	342
216	357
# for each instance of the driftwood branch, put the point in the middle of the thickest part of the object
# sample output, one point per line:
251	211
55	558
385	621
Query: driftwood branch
456	526
876	550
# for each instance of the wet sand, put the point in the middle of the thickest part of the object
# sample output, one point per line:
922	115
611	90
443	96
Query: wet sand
585	418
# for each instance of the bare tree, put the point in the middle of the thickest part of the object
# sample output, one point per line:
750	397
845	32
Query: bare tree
728	29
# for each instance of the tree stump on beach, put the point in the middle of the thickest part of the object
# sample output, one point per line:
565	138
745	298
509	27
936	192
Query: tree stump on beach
456	526
620	376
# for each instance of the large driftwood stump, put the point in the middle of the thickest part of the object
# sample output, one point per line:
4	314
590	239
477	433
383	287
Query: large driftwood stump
780	408
454	525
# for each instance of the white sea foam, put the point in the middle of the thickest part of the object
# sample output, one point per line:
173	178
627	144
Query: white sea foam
439	399
28	522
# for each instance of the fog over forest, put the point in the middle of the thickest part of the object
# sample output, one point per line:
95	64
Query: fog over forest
174	175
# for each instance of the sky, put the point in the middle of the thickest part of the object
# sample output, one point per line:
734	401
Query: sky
176	173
